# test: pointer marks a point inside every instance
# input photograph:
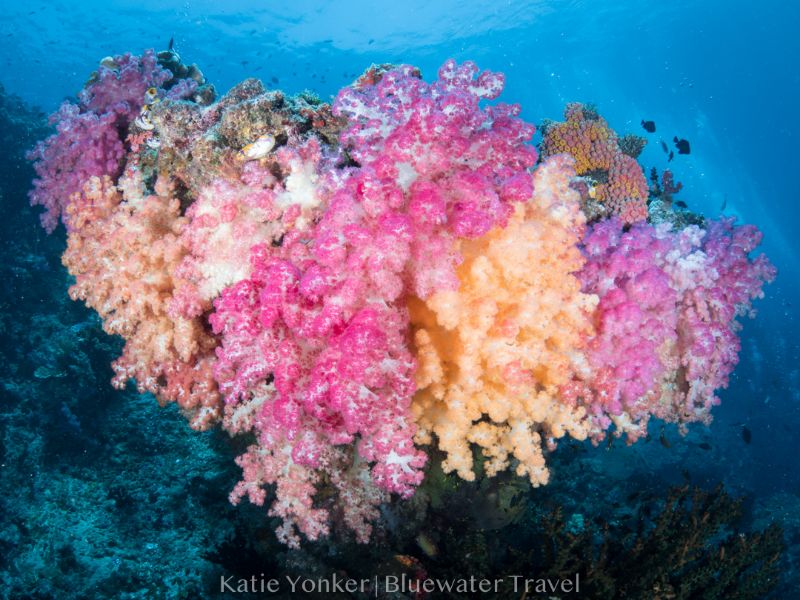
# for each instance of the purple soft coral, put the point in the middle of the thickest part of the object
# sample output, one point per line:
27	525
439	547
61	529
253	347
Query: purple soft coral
88	142
666	330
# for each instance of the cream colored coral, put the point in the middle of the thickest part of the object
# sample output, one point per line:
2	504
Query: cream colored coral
493	354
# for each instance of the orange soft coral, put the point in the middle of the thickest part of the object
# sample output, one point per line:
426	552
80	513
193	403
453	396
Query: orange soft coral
493	354
123	256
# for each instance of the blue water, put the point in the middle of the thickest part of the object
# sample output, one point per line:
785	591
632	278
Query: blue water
722	74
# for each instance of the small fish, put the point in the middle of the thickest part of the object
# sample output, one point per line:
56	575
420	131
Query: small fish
704	445
724	204
151	95
109	63
407	561
671	156
664	147
427	545
681	204
258	149
747	435
664	441
171	43
649	126
682	146
686	476
153	143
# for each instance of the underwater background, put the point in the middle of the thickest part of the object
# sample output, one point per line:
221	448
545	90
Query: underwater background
106	494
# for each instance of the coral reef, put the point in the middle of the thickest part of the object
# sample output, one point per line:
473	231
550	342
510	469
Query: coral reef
349	288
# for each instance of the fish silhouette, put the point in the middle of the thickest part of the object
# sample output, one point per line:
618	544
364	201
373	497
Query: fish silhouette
682	146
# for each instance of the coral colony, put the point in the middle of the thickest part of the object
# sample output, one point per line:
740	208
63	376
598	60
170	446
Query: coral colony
354	284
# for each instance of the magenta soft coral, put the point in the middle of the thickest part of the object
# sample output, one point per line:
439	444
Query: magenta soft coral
121	89
86	145
432	153
323	316
634	319
332	383
666	330
438	130
334	376
718	281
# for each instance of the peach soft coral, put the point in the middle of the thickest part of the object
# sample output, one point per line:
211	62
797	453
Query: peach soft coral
494	352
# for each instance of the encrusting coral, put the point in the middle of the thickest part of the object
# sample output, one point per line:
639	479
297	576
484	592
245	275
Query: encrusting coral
619	185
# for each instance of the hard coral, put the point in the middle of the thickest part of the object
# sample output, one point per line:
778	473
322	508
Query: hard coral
584	135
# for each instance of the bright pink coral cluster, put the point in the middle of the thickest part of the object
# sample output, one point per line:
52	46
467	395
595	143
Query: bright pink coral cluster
666	329
434	163
635	318
323	316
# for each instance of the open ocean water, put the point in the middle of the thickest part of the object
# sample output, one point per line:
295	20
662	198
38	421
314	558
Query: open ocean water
427	360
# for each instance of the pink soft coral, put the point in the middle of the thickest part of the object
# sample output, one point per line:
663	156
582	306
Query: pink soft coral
717	281
322	317
666	323
634	320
